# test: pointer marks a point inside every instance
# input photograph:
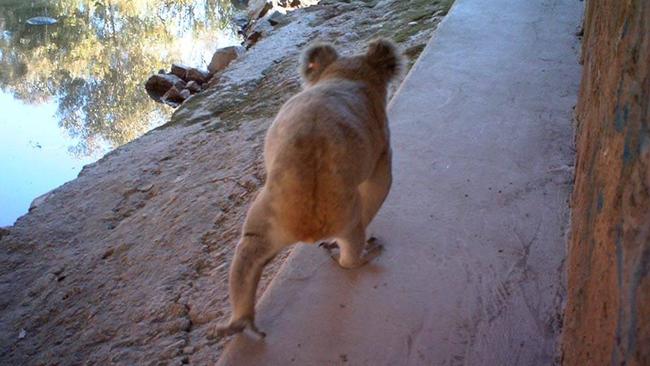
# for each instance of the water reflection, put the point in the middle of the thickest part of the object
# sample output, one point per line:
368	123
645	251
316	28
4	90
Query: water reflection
92	64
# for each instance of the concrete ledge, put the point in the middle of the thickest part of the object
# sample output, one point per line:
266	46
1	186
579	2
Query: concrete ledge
475	224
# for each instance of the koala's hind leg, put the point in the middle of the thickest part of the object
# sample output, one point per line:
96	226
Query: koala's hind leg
251	255
352	245
375	189
372	193
257	247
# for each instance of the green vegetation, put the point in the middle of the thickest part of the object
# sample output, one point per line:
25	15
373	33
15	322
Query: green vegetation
407	18
95	60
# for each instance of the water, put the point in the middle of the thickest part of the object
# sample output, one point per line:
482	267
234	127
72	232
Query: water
72	91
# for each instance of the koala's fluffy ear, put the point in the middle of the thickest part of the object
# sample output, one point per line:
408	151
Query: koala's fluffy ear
315	59
384	57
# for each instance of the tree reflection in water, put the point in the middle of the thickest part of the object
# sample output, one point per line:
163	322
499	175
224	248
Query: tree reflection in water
95	60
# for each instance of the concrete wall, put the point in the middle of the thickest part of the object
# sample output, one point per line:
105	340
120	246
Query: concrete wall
607	317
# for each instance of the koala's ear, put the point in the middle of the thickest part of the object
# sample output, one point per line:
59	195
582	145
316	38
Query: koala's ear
384	57
315	59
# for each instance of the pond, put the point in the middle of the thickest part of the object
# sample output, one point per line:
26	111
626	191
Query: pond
73	90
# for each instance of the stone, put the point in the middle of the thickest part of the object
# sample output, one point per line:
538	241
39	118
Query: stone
185	94
4	231
259	30
157	85
197	75
144	187
193	87
40	200
241	21
240	4
278	19
213	81
259	8
283	3
223	57
253	38
293	4
173	97
180	71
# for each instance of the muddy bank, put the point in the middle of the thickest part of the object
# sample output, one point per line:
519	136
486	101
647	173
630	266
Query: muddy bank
127	264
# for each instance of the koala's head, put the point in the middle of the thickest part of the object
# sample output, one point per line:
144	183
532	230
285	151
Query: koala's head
379	65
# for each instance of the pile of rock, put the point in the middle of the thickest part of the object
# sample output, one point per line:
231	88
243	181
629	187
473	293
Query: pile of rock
176	86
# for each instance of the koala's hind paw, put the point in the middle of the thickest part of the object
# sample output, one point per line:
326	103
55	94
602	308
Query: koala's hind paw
235	327
372	250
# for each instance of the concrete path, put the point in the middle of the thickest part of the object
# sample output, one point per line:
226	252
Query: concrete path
475	225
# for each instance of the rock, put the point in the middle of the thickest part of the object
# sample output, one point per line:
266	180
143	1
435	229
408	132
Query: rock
213	81
278	18
259	8
197	75
193	86
259	30
180	71
293	4
57	270
39	200
4	232
173	97
158	85
253	38
240	4
223	57
108	253
173	349
241	20
185	94
144	187
283	3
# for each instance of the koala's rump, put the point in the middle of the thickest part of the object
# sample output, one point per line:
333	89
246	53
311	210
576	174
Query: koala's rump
320	155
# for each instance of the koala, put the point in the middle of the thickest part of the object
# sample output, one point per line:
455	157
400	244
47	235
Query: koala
327	156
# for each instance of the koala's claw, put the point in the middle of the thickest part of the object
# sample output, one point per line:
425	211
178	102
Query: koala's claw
235	327
332	248
328	245
257	332
373	249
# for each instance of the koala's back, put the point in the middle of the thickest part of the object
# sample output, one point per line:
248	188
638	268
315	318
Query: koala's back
322	144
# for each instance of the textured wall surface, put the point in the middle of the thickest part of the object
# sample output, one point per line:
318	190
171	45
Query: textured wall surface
607	317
